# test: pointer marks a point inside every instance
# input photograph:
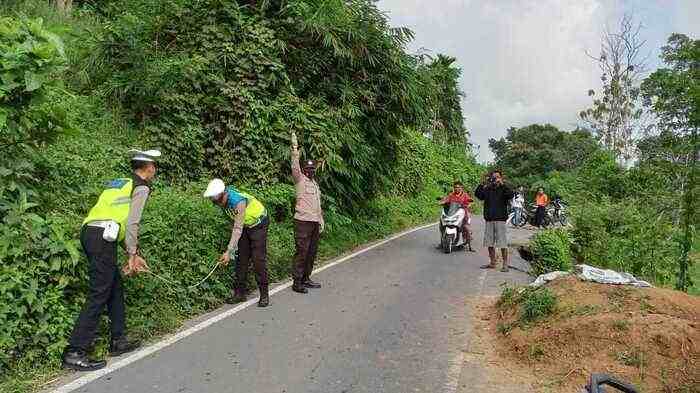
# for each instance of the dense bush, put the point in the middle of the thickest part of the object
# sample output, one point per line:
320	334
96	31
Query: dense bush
39	261
423	165
625	236
220	85
32	109
551	250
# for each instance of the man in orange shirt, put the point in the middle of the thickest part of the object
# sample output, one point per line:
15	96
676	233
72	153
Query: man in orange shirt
541	200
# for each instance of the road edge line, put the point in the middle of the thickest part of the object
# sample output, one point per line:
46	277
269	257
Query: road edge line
155	347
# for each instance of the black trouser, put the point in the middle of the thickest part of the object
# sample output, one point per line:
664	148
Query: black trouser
105	290
252	246
306	236
539	215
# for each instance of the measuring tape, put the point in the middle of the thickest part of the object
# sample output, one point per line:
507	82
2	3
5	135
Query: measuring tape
177	285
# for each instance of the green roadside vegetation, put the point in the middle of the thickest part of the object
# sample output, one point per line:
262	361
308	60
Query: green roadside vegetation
638	217
217	86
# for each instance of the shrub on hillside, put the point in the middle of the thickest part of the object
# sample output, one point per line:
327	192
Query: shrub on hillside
626	236
531	304
39	262
551	250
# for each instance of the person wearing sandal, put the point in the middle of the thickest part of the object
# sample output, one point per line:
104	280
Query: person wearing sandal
496	195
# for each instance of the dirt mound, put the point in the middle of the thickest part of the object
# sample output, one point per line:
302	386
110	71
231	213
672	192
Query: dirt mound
647	336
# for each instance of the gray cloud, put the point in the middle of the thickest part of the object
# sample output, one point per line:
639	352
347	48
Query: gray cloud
524	61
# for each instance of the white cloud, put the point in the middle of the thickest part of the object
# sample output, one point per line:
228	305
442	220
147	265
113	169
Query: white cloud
523	61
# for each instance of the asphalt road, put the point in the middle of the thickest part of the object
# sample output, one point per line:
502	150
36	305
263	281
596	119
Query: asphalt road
393	319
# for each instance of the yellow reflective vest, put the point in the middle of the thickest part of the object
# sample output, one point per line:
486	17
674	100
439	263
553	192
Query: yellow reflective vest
113	204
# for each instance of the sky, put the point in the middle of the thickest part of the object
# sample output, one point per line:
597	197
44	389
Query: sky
524	61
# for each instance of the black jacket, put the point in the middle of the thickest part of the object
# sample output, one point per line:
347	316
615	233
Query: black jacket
496	199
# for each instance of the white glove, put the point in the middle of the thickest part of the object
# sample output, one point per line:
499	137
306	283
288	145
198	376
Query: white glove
322	227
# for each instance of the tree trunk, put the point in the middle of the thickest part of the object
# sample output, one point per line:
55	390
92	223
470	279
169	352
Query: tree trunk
64	6
688	216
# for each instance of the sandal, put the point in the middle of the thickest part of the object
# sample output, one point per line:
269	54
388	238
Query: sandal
489	266
505	269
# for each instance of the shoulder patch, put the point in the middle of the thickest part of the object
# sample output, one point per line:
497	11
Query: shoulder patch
116	183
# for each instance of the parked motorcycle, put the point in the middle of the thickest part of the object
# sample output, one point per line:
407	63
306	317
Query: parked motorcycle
559	212
521	221
452	236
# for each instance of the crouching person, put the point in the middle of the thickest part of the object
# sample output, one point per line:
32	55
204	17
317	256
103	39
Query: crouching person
115	218
248	238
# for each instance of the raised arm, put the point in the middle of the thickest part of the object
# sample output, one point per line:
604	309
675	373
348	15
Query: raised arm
296	168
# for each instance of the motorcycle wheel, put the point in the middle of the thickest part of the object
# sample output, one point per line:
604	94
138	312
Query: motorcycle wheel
447	246
524	218
547	222
563	220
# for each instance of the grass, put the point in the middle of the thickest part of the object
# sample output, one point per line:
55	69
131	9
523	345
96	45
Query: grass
504	328
533	304
632	358
537	304
621	325
535	352
583	310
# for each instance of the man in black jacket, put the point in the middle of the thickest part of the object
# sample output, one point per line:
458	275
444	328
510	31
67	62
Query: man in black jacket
496	196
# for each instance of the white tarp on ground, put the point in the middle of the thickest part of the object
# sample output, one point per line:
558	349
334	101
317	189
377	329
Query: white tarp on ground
603	276
590	273
545	278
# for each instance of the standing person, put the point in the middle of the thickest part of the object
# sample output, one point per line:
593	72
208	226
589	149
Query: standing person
248	238
496	195
308	220
114	218
518	204
458	195
541	200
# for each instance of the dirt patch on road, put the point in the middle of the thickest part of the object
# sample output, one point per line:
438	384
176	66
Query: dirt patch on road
649	337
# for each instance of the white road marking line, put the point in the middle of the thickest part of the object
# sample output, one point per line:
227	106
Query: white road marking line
94	375
455	365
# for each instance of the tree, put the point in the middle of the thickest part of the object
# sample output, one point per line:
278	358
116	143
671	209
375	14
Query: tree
529	153
673	94
441	80
616	111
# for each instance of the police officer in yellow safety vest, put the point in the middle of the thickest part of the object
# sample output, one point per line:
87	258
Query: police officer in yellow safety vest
248	237
115	218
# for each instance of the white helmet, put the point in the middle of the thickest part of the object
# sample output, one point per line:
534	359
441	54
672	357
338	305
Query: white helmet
215	188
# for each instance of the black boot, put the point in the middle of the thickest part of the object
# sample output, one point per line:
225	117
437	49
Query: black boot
311	284
238	296
297	286
121	346
264	297
79	361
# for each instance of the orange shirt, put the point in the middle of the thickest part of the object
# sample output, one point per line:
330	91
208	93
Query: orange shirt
542	200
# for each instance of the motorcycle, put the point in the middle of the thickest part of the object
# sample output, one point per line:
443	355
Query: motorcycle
512	218
451	223
530	216
559	212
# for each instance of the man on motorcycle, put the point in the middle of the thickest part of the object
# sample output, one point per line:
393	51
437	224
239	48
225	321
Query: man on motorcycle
458	195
